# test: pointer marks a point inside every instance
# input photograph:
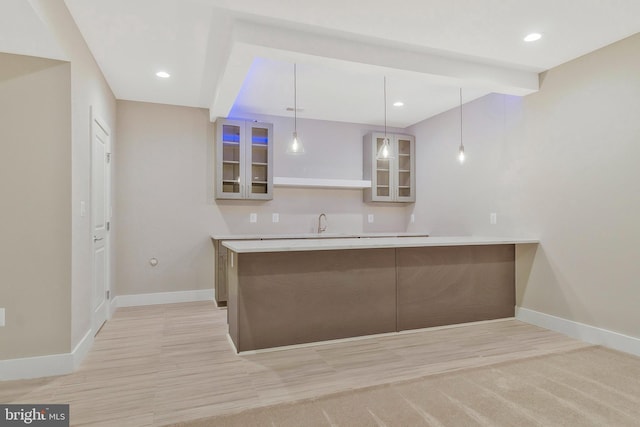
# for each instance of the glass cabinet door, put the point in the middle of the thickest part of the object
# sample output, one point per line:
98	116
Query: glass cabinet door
259	163
393	179
405	181
230	138
383	177
244	160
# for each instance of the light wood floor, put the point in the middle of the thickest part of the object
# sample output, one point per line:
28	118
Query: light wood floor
156	365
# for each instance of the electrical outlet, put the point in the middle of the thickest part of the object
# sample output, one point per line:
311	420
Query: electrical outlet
413	218
493	218
253	217
275	217
370	218
1	317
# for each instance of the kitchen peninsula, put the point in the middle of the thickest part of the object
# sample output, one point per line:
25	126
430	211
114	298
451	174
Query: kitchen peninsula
221	252
286	292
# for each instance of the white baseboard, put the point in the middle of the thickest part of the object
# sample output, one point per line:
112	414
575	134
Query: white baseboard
161	298
113	305
46	366
81	350
581	331
66	363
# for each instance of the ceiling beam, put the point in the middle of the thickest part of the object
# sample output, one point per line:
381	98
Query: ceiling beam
26	30
252	40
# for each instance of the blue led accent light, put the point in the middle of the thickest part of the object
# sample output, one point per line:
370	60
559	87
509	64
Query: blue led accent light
231	137
260	140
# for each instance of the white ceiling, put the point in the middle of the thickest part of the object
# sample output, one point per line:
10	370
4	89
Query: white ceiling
235	57
268	89
22	32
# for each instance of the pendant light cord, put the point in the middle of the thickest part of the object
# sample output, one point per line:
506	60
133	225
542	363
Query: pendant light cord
295	100
461	117
385	107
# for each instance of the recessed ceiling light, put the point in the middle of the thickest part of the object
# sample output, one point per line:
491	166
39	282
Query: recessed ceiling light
398	104
163	74
533	37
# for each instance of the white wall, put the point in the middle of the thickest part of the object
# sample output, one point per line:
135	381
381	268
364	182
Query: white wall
35	225
578	158
457	199
167	208
84	88
560	165
88	90
332	149
161	199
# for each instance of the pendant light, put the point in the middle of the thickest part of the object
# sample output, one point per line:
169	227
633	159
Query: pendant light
461	149
295	146
384	153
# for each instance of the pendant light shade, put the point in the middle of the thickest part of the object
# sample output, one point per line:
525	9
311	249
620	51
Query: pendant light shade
461	154
295	145
461	148
385	153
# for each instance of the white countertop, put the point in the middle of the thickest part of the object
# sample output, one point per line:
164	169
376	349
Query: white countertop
292	245
312	236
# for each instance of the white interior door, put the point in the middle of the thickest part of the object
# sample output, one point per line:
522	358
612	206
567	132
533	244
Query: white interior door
100	217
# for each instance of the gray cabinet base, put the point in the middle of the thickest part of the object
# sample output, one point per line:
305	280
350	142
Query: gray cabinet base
286	298
455	284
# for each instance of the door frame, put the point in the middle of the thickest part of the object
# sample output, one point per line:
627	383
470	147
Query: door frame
95	121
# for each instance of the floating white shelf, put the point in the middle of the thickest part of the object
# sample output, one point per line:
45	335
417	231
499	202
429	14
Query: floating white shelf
320	183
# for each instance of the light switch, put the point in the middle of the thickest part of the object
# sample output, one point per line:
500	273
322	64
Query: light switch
413	218
275	217
83	208
493	218
370	218
253	217
1	317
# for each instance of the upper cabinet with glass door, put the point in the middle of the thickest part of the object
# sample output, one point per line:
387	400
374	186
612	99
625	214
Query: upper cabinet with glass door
244	160
392	178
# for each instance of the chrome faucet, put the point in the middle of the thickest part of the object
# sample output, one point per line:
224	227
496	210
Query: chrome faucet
321	227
